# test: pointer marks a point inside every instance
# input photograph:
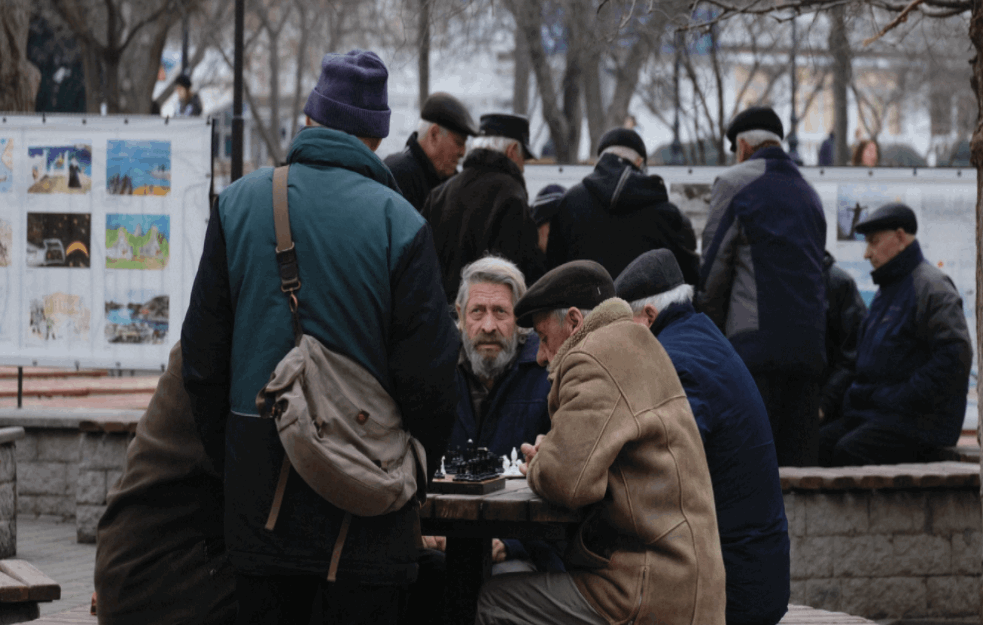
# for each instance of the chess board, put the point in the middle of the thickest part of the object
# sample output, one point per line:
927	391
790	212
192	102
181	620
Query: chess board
450	486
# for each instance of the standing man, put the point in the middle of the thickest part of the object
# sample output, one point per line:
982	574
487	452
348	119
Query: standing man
914	357
371	291
625	449
747	491
485	207
432	152
618	212
761	279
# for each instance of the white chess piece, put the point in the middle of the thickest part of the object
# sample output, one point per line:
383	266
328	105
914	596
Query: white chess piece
443	471
505	466
515	457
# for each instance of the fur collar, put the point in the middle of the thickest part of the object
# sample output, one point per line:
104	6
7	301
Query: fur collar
606	313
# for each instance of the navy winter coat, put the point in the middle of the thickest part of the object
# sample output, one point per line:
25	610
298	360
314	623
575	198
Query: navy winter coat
370	290
742	460
915	354
845	313
414	172
761	278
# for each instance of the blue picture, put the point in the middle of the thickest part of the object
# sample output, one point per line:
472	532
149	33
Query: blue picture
138	167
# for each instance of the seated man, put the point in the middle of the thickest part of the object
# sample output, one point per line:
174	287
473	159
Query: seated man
624	448
845	312
913	360
736	437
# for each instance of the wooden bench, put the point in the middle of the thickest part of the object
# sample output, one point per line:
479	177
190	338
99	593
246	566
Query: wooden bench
22	587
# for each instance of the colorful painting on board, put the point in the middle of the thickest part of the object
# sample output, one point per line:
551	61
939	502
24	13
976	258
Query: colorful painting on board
137	241
138	167
137	316
855	201
6	165
61	168
58	239
59	317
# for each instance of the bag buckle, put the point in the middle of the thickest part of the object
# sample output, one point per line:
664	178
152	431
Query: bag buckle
289	271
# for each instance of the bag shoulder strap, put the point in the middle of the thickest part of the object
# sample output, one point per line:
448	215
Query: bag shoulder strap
286	253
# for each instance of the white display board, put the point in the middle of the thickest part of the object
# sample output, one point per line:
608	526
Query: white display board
102	222
944	200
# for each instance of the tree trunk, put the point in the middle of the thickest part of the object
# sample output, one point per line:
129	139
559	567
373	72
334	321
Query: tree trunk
305	32
596	119
92	67
520	75
839	47
423	46
276	147
976	149
19	79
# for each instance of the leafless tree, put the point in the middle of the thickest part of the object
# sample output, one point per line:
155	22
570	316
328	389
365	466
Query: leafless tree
19	79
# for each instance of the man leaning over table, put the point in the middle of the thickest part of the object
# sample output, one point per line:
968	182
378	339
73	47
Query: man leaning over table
625	448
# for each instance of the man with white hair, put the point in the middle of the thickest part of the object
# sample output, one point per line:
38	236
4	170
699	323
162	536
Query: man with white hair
736	437
618	212
485	207
761	279
432	152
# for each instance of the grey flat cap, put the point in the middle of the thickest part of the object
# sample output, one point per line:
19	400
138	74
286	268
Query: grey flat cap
652	273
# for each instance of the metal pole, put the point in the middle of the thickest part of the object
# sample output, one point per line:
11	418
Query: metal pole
184	44
676	157
237	125
793	139
20	387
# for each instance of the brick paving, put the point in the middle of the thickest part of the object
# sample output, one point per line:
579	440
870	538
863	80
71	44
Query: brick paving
49	544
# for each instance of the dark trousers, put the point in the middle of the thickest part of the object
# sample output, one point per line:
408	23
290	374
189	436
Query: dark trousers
275	599
852	442
792	402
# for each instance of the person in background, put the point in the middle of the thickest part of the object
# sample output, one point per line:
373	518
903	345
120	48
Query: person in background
827	151
845	313
736	435
866	154
432	152
908	399
543	209
188	102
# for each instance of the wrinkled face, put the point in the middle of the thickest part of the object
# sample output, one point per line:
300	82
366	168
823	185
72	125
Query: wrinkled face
884	245
447	151
488	319
869	156
552	335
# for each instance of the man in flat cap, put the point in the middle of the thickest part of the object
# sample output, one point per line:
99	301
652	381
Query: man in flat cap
736	437
370	289
485	208
908	398
618	212
432	152
623	446
544	208
761	278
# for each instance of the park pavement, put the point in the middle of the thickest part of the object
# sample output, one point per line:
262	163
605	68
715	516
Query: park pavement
49	543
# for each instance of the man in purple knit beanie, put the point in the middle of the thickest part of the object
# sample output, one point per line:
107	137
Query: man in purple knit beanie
371	291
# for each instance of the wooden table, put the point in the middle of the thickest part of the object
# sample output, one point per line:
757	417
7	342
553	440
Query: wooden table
470	522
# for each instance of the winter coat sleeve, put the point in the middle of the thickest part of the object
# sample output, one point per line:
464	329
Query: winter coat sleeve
423	348
206	341
720	239
846	314
589	430
940	327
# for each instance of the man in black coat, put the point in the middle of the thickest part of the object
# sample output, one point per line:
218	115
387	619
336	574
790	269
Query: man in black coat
618	213
432	152
845	313
485	207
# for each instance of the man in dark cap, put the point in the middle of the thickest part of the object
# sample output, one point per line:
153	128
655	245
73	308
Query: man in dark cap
623	445
370	289
544	208
761	278
485	208
618	212
736	437
188	102
432	152
908	399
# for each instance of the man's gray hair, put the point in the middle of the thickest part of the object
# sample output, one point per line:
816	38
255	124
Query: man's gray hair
756	137
493	269
626	153
678	295
498	144
424	127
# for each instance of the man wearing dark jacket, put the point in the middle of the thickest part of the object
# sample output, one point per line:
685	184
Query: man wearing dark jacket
913	360
761	279
845	313
618	213
736	436
485	207
370	291
432	152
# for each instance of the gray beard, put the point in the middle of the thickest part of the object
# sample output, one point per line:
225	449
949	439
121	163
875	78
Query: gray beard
490	369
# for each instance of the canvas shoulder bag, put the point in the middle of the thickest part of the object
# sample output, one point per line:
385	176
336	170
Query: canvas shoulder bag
342	432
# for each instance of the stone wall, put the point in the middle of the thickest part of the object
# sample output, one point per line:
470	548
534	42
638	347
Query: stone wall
887	553
8	492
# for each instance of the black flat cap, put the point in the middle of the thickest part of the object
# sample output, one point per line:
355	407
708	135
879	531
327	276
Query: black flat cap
445	110
652	273
625	138
580	283
546	204
889	217
510	126
754	118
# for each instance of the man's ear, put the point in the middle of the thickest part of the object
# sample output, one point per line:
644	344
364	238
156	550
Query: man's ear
650	312
575	319
433	133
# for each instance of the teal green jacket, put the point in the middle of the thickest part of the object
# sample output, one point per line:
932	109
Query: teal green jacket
370	289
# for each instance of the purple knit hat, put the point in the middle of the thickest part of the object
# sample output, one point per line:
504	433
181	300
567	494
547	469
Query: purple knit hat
351	95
